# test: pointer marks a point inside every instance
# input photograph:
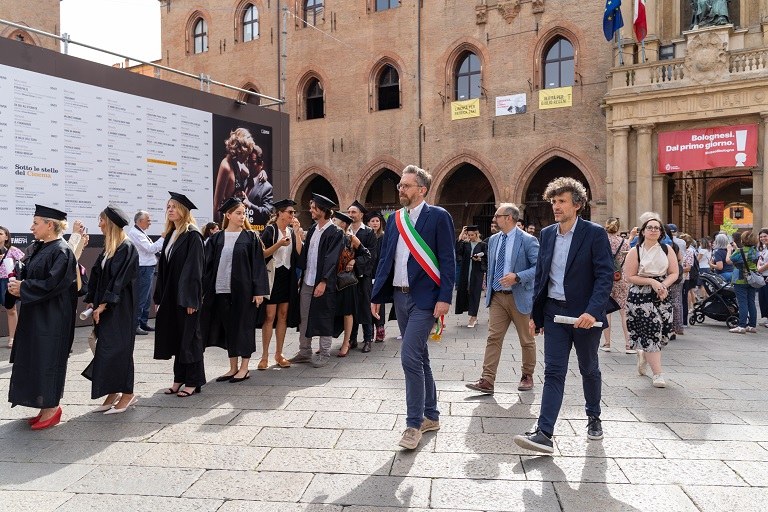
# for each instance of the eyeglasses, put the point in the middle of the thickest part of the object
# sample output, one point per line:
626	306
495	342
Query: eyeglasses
401	186
653	228
290	212
501	215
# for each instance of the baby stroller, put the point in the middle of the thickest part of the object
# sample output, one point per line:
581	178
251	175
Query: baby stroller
720	305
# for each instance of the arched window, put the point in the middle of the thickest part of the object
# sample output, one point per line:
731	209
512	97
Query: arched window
315	100
313	11
250	23
383	5
559	64
468	77
388	88
253	99
200	36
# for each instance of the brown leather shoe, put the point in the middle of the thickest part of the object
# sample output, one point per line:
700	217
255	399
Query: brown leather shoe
526	383
483	386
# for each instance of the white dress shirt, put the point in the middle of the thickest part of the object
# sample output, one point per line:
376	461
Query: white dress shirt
310	273
556	289
282	255
402	253
146	247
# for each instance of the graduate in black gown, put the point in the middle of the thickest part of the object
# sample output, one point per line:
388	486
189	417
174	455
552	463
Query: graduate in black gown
234	285
365	270
179	296
378	223
111	295
47	288
473	255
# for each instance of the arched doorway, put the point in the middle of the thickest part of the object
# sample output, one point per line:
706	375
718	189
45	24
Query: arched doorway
317	185
468	196
537	211
382	193
735	198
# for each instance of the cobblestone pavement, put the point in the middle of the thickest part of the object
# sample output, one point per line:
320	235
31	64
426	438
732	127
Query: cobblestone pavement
305	439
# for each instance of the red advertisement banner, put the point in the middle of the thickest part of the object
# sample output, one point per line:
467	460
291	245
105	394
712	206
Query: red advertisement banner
708	148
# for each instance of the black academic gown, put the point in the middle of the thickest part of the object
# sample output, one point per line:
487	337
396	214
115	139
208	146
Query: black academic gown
269	237
322	309
348	299
112	367
470	287
44	333
365	268
249	279
179	286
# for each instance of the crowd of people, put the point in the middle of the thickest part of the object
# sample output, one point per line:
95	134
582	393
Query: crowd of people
217	287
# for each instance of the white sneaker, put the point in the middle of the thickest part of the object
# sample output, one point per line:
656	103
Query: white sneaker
751	329
765	324
659	382
738	330
642	365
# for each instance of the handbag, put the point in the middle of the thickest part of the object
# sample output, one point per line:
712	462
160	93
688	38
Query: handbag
345	279
753	279
617	273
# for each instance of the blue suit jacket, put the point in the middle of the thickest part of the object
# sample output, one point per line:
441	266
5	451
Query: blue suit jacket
435	226
525	254
588	272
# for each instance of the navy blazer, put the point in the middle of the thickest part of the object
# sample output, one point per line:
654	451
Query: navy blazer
435	226
588	272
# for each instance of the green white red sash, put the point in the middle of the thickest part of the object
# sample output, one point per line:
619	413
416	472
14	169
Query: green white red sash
419	249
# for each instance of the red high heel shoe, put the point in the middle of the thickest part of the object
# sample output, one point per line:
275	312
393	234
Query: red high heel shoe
50	422
32	421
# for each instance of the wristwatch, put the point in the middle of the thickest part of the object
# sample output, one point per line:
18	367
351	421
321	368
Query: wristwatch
517	278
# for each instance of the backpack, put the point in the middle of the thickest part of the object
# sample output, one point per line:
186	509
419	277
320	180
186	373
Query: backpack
693	274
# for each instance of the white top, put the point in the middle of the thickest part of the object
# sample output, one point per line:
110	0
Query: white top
146	247
762	259
169	247
706	255
401	251
224	272
653	262
282	256
310	273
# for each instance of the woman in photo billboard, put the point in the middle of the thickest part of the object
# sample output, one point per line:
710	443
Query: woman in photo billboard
257	193
233	171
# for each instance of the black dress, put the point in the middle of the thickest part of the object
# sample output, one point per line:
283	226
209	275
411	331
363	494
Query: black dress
470	287
45	330
285	287
179	286
232	326
365	269
347	300
112	366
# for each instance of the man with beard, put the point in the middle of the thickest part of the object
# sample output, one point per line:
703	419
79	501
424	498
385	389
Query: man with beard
364	270
416	271
317	297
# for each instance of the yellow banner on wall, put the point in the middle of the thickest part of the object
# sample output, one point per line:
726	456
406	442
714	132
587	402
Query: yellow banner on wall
555	98
465	109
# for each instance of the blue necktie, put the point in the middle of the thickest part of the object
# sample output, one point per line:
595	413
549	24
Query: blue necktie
498	270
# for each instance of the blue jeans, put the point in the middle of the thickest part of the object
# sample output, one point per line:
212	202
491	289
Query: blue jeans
143	294
420	391
558	339
745	296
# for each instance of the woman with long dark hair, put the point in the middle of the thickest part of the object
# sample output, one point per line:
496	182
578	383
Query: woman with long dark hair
9	256
179	296
47	288
378	223
111	296
234	285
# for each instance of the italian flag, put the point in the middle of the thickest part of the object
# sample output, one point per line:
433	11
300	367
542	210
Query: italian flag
639	21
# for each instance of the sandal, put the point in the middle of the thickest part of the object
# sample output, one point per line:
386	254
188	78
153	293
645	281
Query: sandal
263	364
605	348
184	393
171	391
281	361
343	354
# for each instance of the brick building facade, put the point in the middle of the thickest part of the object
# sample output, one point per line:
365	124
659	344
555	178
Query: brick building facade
43	15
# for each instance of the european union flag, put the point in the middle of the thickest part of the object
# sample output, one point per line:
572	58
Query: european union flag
612	20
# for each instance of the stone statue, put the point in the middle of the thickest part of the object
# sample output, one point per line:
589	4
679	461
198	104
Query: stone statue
708	13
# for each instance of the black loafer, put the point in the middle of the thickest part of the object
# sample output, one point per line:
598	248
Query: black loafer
353	344
366	346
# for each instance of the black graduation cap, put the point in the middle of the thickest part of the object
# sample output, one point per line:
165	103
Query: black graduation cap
283	203
473	227
184	200
230	203
343	217
323	201
357	204
116	215
49	213
376	213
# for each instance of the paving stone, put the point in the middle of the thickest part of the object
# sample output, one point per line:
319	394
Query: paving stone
33	500
136	480
714	450
94	452
22	450
508	496
23	476
205	456
273	418
726	499
421	463
719	432
622	498
580	446
333	404
214	416
298	437
479	443
387	394
514	426
753	417
651	415
383	491
730	404
315	391
249	402
628	429
308	460
136	503
262	506
342	420
754	472
491	410
189	433
573	469
699	472
250	485
606	413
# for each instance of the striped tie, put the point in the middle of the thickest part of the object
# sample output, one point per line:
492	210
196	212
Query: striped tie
498	270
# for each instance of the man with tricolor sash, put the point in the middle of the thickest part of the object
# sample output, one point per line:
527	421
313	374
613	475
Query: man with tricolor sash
417	269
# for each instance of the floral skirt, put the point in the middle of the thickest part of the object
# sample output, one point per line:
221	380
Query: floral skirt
649	319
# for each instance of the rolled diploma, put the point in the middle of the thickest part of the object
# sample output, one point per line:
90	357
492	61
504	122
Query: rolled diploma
562	319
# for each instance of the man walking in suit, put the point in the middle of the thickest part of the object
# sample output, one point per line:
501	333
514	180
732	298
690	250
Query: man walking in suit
512	255
416	271
574	277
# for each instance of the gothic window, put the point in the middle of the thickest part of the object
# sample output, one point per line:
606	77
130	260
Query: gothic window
467	77
559	64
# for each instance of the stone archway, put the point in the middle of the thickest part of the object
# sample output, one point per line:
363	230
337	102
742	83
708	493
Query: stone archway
468	196
728	190
313	184
536	210
382	191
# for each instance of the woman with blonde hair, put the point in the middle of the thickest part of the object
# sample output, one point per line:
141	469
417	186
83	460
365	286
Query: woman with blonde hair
231	176
111	296
619	249
179	296
47	288
234	285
